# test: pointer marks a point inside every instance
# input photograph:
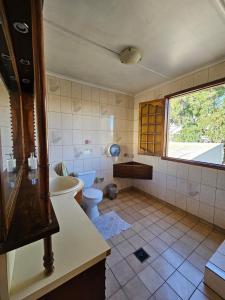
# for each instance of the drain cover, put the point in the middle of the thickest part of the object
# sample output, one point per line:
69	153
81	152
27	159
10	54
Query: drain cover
141	255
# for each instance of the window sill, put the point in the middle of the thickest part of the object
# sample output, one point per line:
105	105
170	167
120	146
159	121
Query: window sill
195	163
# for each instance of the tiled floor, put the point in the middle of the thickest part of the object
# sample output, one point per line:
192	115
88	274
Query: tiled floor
179	246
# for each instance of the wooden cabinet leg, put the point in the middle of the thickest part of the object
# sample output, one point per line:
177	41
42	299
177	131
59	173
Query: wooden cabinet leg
48	256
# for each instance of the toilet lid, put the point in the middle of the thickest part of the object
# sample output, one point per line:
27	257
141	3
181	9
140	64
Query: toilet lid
92	193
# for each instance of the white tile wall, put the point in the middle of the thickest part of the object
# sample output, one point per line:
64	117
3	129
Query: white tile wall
5	124
82	121
199	190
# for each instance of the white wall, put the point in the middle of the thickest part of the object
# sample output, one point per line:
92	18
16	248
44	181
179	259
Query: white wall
80	114
198	190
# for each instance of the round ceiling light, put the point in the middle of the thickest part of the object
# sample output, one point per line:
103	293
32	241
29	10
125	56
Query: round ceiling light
130	55
21	27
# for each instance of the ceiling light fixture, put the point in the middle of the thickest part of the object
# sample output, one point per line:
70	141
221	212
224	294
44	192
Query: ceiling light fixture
21	27
130	55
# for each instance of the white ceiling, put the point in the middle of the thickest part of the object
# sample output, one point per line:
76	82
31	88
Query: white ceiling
82	38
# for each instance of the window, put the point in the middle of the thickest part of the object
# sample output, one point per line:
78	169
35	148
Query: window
151	127
196	125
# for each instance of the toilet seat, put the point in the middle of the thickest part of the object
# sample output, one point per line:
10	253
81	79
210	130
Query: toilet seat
92	193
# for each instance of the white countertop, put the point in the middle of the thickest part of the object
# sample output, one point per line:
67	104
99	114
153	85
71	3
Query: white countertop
76	247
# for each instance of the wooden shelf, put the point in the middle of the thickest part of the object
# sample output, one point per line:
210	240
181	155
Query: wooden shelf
28	224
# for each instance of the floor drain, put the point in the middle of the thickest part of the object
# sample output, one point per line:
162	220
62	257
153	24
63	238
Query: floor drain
141	255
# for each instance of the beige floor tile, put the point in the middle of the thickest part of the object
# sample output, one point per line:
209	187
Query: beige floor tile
204	251
136	241
117	239
164	225
125	248
151	252
165	293
162	267
167	238
128	233
111	283
136	290
135	264
158	245
191	273
181	285
155	229
182	248
198	261
123	272
151	279
189	241
119	295
137	227
147	235
173	257
175	232
114	257
199	296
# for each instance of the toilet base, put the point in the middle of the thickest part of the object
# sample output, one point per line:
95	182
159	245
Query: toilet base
92	212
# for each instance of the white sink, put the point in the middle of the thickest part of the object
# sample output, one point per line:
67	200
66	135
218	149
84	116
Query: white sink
64	184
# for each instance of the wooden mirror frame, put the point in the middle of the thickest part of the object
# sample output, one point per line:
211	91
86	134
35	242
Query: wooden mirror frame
29	215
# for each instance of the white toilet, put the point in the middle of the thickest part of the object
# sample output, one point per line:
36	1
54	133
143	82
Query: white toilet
91	196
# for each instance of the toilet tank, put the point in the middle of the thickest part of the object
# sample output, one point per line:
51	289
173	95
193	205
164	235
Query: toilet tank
88	178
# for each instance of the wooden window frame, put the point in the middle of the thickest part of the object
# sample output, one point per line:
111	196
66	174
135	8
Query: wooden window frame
180	93
161	102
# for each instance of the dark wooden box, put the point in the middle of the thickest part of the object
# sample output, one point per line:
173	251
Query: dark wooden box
132	169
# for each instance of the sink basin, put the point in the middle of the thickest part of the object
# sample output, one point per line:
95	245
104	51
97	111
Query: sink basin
64	184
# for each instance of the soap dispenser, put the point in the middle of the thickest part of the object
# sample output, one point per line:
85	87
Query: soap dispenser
11	163
32	162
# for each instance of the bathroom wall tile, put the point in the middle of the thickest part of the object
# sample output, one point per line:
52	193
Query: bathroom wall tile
221	179
195	173
78	165
67	137
65	88
209	176
76	90
181	201
219	217
67	121
76	106
220	199
182	171
53	102
193	206
77	137
206	212
55	153
66	105
207	195
171	168
95	94
54	120
77	122
181	186
68	153
4	117
86	93
171	182
55	137
53	85
103	97
6	139
193	189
